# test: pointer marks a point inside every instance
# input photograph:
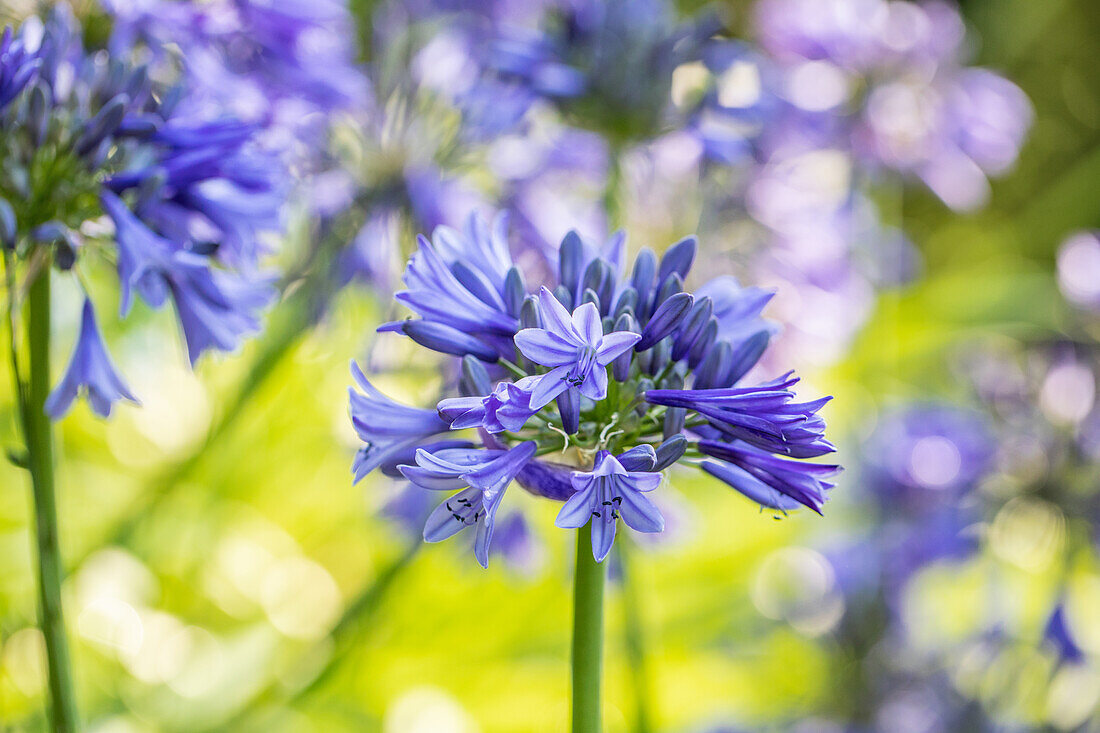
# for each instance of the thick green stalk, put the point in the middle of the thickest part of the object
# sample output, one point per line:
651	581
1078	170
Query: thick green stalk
36	430
588	586
634	640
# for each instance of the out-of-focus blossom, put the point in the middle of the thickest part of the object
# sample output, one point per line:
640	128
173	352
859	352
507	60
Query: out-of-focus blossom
190	197
1079	269
607	67
889	79
90	370
282	65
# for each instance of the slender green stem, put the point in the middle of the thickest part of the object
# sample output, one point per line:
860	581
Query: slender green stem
634	640
37	432
587	635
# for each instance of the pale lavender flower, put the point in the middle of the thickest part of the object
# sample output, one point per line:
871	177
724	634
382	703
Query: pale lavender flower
90	371
574	347
604	495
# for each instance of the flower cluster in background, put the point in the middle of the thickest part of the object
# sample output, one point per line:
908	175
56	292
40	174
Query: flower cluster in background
102	160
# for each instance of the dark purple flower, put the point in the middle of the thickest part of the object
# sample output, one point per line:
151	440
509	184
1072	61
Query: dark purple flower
546	387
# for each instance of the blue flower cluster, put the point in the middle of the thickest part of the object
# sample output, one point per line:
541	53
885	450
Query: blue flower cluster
91	137
585	390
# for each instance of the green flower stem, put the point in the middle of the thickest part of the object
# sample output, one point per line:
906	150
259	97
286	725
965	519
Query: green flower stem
37	432
634	640
587	635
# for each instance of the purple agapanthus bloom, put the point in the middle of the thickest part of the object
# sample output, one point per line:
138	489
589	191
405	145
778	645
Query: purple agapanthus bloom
283	65
190	197
90	370
481	475
926	456
574	347
605	494
584	391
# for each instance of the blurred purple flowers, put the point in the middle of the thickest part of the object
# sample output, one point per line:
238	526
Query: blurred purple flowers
190	197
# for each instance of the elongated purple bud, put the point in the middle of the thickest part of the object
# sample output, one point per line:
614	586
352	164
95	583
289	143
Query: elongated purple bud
644	280
600	279
569	407
665	320
447	340
529	313
514	291
692	327
675	417
703	343
104	124
475	380
670	451
138	83
627	301
476	283
715	366
596	272
746	355
677	259
638	458
8	224
670	286
589	296
661	354
570	261
564	296
620	368
141	127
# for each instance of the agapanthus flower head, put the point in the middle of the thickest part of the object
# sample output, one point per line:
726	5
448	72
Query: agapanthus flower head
587	388
93	137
